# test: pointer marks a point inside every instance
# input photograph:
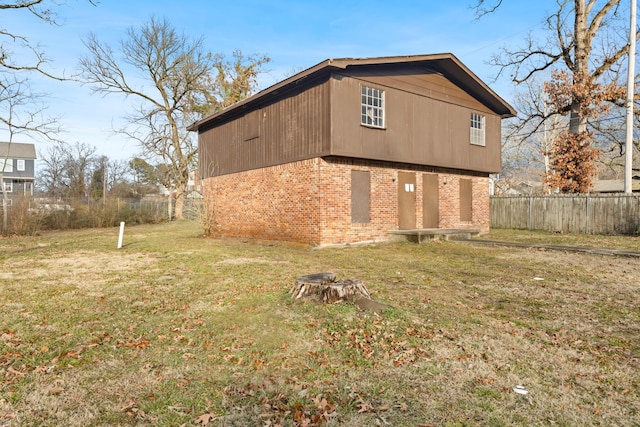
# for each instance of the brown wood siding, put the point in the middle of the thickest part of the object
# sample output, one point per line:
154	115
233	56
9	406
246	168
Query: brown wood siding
296	127
427	121
421	81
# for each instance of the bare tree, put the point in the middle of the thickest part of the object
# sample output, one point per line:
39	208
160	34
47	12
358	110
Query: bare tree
21	111
51	176
611	140
584	43
529	138
31	57
67	169
175	68
118	172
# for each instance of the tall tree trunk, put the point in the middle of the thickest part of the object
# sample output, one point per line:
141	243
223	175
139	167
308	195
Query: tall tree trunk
180	191
578	123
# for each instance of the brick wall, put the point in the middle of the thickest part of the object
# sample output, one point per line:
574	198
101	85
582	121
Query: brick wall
310	202
278	203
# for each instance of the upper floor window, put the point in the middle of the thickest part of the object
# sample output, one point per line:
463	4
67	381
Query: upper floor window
477	129
372	107
20	165
6	165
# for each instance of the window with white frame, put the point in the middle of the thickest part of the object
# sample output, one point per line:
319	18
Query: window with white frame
8	185
20	165
6	165
477	129
372	107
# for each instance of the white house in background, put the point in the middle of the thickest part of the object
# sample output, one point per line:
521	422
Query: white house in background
193	190
615	185
17	168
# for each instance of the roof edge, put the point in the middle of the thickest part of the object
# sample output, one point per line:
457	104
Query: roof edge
296	77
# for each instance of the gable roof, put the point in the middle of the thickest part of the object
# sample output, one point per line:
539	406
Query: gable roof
15	150
445	63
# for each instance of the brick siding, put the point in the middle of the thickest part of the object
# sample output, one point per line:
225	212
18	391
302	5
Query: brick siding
310	201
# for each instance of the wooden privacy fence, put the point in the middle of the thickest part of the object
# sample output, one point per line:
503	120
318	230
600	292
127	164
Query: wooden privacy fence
589	214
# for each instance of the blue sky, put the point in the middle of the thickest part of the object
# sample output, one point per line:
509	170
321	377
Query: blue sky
294	34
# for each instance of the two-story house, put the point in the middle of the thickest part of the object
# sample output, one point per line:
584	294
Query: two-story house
350	149
17	168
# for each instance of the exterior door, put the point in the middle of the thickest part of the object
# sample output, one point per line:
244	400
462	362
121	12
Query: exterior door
430	201
406	200
466	200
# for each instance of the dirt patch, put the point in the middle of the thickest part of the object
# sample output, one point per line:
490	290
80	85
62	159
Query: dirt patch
78	263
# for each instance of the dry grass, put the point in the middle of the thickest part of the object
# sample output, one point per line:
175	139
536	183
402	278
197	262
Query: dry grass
584	240
176	329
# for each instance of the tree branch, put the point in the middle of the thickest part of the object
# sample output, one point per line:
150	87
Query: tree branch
482	11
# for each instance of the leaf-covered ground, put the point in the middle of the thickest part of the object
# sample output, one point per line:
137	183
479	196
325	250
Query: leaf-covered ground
176	329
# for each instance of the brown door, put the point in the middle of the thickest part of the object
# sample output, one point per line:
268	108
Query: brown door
406	200
466	200
430	201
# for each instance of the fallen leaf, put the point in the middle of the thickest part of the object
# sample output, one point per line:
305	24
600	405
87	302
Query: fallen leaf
13	371
55	391
205	419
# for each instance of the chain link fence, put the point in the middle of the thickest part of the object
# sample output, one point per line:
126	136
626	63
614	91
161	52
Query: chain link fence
29	215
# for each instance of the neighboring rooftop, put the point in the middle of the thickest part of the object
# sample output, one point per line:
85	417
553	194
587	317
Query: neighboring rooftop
614	185
16	150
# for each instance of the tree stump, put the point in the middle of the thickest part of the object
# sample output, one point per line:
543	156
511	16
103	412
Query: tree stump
323	287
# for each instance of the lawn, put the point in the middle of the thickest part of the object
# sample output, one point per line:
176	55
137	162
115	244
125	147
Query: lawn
177	329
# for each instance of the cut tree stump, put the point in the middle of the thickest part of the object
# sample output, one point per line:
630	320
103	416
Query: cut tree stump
325	288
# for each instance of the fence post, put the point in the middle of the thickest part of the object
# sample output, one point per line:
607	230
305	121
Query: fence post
586	227
529	220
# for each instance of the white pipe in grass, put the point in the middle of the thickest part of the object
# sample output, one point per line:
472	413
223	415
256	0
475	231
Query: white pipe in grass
121	235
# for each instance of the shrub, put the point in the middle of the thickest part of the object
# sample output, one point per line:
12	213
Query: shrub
28	215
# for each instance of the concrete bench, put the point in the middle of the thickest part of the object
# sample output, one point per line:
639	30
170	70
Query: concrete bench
428	234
